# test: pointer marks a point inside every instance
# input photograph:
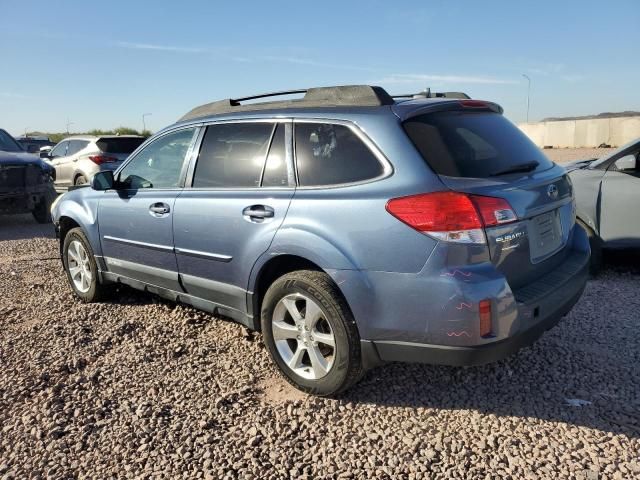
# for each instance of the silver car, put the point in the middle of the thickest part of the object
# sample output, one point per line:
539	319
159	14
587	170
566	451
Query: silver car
77	159
607	194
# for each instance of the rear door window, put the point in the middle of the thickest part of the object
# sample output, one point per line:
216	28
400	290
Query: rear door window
478	145
330	154
233	155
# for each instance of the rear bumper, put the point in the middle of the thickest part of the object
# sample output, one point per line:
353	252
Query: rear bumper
382	351
532	310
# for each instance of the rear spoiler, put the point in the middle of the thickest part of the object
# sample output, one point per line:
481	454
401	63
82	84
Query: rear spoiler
406	110
427	93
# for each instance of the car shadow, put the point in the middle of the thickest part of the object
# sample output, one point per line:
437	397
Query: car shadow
24	227
625	261
584	376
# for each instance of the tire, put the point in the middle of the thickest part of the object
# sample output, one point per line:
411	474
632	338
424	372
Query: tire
80	180
42	211
596	248
94	290
303	292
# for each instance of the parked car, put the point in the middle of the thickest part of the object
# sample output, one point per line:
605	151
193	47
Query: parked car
35	144
26	182
607	198
76	159
349	227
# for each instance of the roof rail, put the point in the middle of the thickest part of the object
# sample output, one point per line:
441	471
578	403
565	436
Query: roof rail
265	95
345	95
427	93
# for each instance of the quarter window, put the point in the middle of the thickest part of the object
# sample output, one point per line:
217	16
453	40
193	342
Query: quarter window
159	164
233	155
328	154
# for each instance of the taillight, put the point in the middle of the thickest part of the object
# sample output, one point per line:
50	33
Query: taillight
100	159
484	310
494	211
451	216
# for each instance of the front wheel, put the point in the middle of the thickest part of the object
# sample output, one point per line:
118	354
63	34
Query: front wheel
80	266
311	334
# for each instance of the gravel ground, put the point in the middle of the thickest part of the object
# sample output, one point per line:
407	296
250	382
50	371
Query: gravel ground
140	388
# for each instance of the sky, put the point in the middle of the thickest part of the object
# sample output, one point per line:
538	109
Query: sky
104	65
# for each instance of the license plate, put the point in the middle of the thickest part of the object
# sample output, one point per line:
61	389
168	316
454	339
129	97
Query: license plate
545	235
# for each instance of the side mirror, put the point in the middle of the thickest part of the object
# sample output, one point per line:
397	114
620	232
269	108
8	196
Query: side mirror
103	181
628	162
45	152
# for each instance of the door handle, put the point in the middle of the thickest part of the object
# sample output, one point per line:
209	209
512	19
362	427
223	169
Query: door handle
258	212
159	209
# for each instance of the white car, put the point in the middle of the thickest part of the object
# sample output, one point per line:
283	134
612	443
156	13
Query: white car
77	159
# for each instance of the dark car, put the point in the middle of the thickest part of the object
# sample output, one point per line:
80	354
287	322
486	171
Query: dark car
34	144
26	181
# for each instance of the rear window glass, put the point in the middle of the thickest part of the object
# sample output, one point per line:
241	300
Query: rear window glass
119	145
329	154
479	145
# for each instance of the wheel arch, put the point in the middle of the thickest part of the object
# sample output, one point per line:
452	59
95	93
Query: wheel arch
71	213
272	268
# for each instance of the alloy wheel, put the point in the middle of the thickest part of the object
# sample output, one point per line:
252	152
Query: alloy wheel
303	336
79	266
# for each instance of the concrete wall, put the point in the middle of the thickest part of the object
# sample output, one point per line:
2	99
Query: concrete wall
583	133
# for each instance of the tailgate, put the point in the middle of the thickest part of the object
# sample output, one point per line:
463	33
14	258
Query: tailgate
534	245
477	151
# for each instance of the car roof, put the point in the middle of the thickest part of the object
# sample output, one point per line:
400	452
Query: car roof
98	137
321	102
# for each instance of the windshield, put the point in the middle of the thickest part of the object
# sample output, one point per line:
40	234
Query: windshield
473	144
8	144
602	160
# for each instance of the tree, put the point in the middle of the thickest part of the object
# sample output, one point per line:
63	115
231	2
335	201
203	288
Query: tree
59	136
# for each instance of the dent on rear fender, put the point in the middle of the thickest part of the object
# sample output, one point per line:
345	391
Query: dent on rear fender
439	305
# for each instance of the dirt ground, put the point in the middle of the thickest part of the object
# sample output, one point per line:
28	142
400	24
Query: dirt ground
562	155
136	387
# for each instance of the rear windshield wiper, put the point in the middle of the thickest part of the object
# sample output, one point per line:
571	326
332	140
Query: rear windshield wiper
520	167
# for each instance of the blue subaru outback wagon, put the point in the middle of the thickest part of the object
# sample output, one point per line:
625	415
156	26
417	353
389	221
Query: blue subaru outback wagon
349	226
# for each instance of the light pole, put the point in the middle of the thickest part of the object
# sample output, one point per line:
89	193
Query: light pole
528	91
68	125
144	125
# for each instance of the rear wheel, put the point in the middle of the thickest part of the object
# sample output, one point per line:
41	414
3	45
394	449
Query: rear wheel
80	180
81	267
311	334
